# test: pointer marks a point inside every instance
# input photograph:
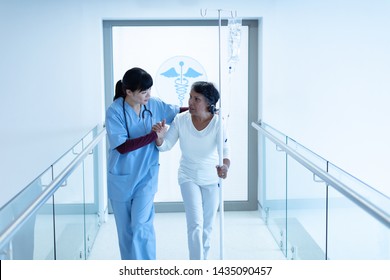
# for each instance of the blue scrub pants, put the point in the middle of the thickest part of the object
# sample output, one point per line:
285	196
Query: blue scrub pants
134	223
201	205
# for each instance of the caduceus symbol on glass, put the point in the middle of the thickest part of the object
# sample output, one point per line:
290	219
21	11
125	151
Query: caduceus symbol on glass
181	81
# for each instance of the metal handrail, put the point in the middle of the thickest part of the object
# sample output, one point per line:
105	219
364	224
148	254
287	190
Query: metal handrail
10	231
378	213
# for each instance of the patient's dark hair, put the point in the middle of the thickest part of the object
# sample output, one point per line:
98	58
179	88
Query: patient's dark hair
209	91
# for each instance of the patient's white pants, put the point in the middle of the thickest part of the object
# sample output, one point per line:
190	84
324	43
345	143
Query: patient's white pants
201	205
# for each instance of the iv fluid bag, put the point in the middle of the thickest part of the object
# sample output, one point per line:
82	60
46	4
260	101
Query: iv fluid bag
234	41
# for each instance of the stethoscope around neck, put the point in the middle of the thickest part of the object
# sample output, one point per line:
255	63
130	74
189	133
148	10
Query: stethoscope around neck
145	110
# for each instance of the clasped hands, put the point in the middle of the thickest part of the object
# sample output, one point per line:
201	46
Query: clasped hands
161	129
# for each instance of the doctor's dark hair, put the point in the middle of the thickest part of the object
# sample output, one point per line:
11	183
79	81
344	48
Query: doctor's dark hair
209	91
134	79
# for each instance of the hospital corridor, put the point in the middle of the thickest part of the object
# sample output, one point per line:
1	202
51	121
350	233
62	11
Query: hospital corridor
246	238
276	111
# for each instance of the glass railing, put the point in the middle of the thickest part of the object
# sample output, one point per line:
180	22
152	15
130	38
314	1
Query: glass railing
315	210
57	216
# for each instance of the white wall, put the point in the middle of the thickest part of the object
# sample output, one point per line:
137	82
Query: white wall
327	81
331	57
50	85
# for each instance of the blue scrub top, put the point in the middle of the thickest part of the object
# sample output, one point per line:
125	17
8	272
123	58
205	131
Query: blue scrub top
136	172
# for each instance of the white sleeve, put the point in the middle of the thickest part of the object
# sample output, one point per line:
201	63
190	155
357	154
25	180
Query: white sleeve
170	138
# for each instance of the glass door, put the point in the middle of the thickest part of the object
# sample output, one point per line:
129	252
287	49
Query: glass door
176	54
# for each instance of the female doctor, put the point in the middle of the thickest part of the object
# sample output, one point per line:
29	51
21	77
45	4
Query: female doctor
133	161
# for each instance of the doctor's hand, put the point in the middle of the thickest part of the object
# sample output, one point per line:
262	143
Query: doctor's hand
161	129
159	126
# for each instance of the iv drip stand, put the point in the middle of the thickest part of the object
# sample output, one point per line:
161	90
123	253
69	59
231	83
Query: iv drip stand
221	202
220	145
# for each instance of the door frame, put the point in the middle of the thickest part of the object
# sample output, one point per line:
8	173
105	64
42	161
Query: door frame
254	95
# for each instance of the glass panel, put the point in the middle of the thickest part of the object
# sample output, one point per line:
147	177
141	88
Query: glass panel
44	232
373	196
92	222
89	171
22	246
306	210
274	132
307	154
272	194
35	238
353	233
69	217
347	231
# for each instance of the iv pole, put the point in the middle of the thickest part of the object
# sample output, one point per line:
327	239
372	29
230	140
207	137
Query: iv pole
220	145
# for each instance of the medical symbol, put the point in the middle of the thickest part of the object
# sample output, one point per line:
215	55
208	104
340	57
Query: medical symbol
181	82
181	75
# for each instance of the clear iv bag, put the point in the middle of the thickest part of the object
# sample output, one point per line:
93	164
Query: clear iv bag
234	41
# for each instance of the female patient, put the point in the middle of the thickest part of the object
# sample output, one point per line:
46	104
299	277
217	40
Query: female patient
199	132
